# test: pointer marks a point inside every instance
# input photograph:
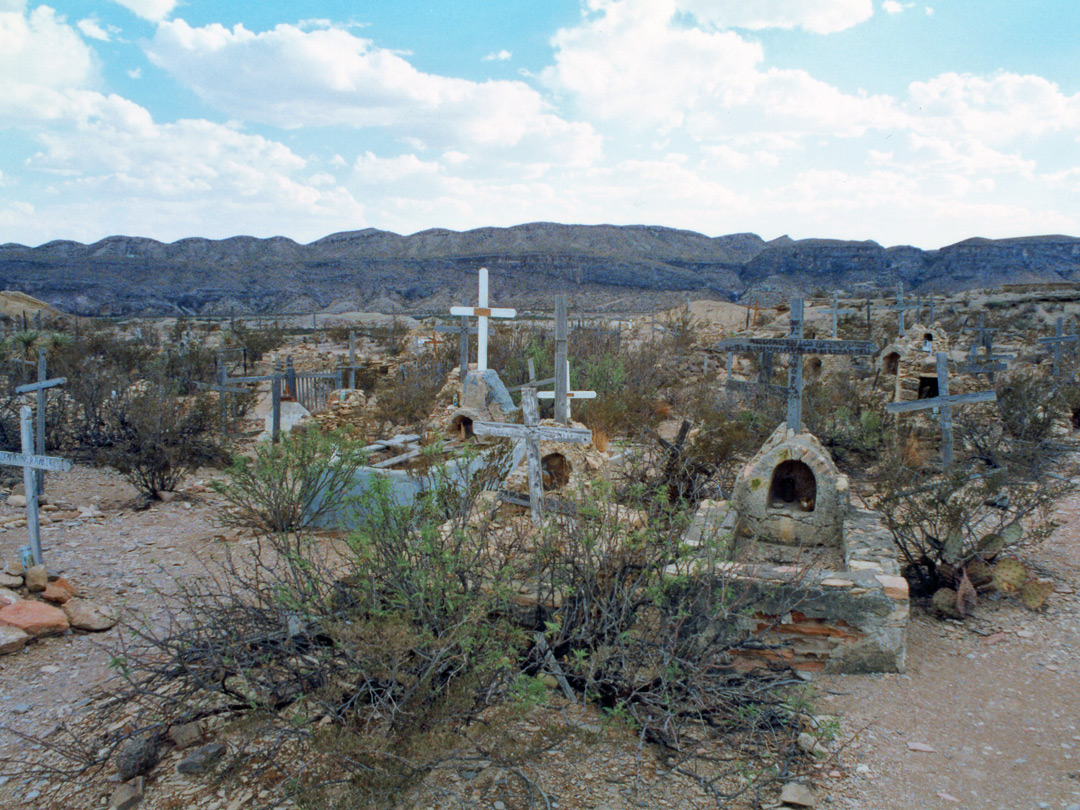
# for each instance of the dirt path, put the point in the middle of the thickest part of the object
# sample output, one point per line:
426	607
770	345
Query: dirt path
997	698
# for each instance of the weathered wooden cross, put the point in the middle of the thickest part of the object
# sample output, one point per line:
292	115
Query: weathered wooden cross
900	308
464	330
759	388
32	464
482	312
1058	340
987	364
39	387
985	333
943	404
795	346
562	393
837	312
532	433
222	389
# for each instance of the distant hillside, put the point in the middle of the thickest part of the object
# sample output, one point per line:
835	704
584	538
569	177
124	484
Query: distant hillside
432	269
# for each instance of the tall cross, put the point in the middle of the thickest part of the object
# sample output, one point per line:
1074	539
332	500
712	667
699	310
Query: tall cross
482	312
567	395
796	346
464	330
532	433
39	388
900	308
1058	340
32	464
836	313
943	404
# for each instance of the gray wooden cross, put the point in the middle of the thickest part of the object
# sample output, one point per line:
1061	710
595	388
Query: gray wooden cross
987	364
985	333
836	313
32	465
1058	340
943	403
222	389
758	388
532	433
39	388
900	308
796	346
464	330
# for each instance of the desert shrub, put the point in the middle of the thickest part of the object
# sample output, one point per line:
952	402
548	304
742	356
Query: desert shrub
157	440
290	485
408	397
255	342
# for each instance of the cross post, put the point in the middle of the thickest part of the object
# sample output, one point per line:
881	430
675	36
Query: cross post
943	404
1057	341
482	312
464	330
32	464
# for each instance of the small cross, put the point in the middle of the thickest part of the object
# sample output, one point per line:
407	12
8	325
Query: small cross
39	388
482	312
943	404
464	330
836	313
532	433
32	464
900	307
1058	341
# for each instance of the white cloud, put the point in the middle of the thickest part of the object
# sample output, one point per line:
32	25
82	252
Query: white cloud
135	73
894	7
153	10
292	78
818	16
92	28
501	56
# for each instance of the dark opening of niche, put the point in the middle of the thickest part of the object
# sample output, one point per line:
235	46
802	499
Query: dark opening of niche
1076	417
461	426
793	487
891	363
928	337
556	471
928	387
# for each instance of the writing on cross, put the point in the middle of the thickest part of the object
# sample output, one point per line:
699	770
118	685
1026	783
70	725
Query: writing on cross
482	312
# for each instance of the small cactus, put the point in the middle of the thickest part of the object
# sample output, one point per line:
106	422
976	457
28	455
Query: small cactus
1035	592
980	573
1009	575
945	603
990	546
1012	533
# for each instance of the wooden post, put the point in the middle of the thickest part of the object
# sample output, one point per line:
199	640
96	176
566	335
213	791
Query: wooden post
530	411
795	376
352	359
562	370
30	479
946	410
39	440
463	345
275	403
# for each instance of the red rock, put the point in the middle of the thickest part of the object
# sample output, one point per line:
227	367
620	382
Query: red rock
59	591
34	618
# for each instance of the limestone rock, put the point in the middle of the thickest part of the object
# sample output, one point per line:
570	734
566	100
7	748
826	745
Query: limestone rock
84	614
34	618
202	759
18	501
8	597
10	581
127	796
12	639
186	735
797	794
36	578
15	567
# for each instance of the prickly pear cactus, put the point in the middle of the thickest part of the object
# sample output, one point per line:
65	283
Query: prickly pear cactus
990	546
980	573
1009	575
1012	533
946	604
1035	592
954	546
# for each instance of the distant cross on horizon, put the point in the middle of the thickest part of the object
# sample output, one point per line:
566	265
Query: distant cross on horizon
482	312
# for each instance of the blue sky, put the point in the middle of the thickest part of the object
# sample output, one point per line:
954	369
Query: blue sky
901	121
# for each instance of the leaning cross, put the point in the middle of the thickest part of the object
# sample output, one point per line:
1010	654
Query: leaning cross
532	433
39	388
796	346
945	402
464	330
32	464
1057	341
482	312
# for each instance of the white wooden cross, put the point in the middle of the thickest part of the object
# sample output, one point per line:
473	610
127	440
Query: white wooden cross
39	389
945	402
532	433
568	395
482	312
31	464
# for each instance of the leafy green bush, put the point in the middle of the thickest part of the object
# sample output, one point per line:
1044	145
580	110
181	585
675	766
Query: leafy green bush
289	486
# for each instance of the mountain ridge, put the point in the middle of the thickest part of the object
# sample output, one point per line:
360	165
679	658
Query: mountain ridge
430	269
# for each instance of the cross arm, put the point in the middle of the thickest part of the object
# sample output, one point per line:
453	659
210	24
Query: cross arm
806	346
951	399
484	312
53	463
40	386
543	433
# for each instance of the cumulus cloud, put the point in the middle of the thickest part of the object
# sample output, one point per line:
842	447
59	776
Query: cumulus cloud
894	7
153	10
92	28
500	56
290	78
818	16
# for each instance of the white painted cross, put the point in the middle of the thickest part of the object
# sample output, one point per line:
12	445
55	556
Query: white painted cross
482	312
31	463
532	433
